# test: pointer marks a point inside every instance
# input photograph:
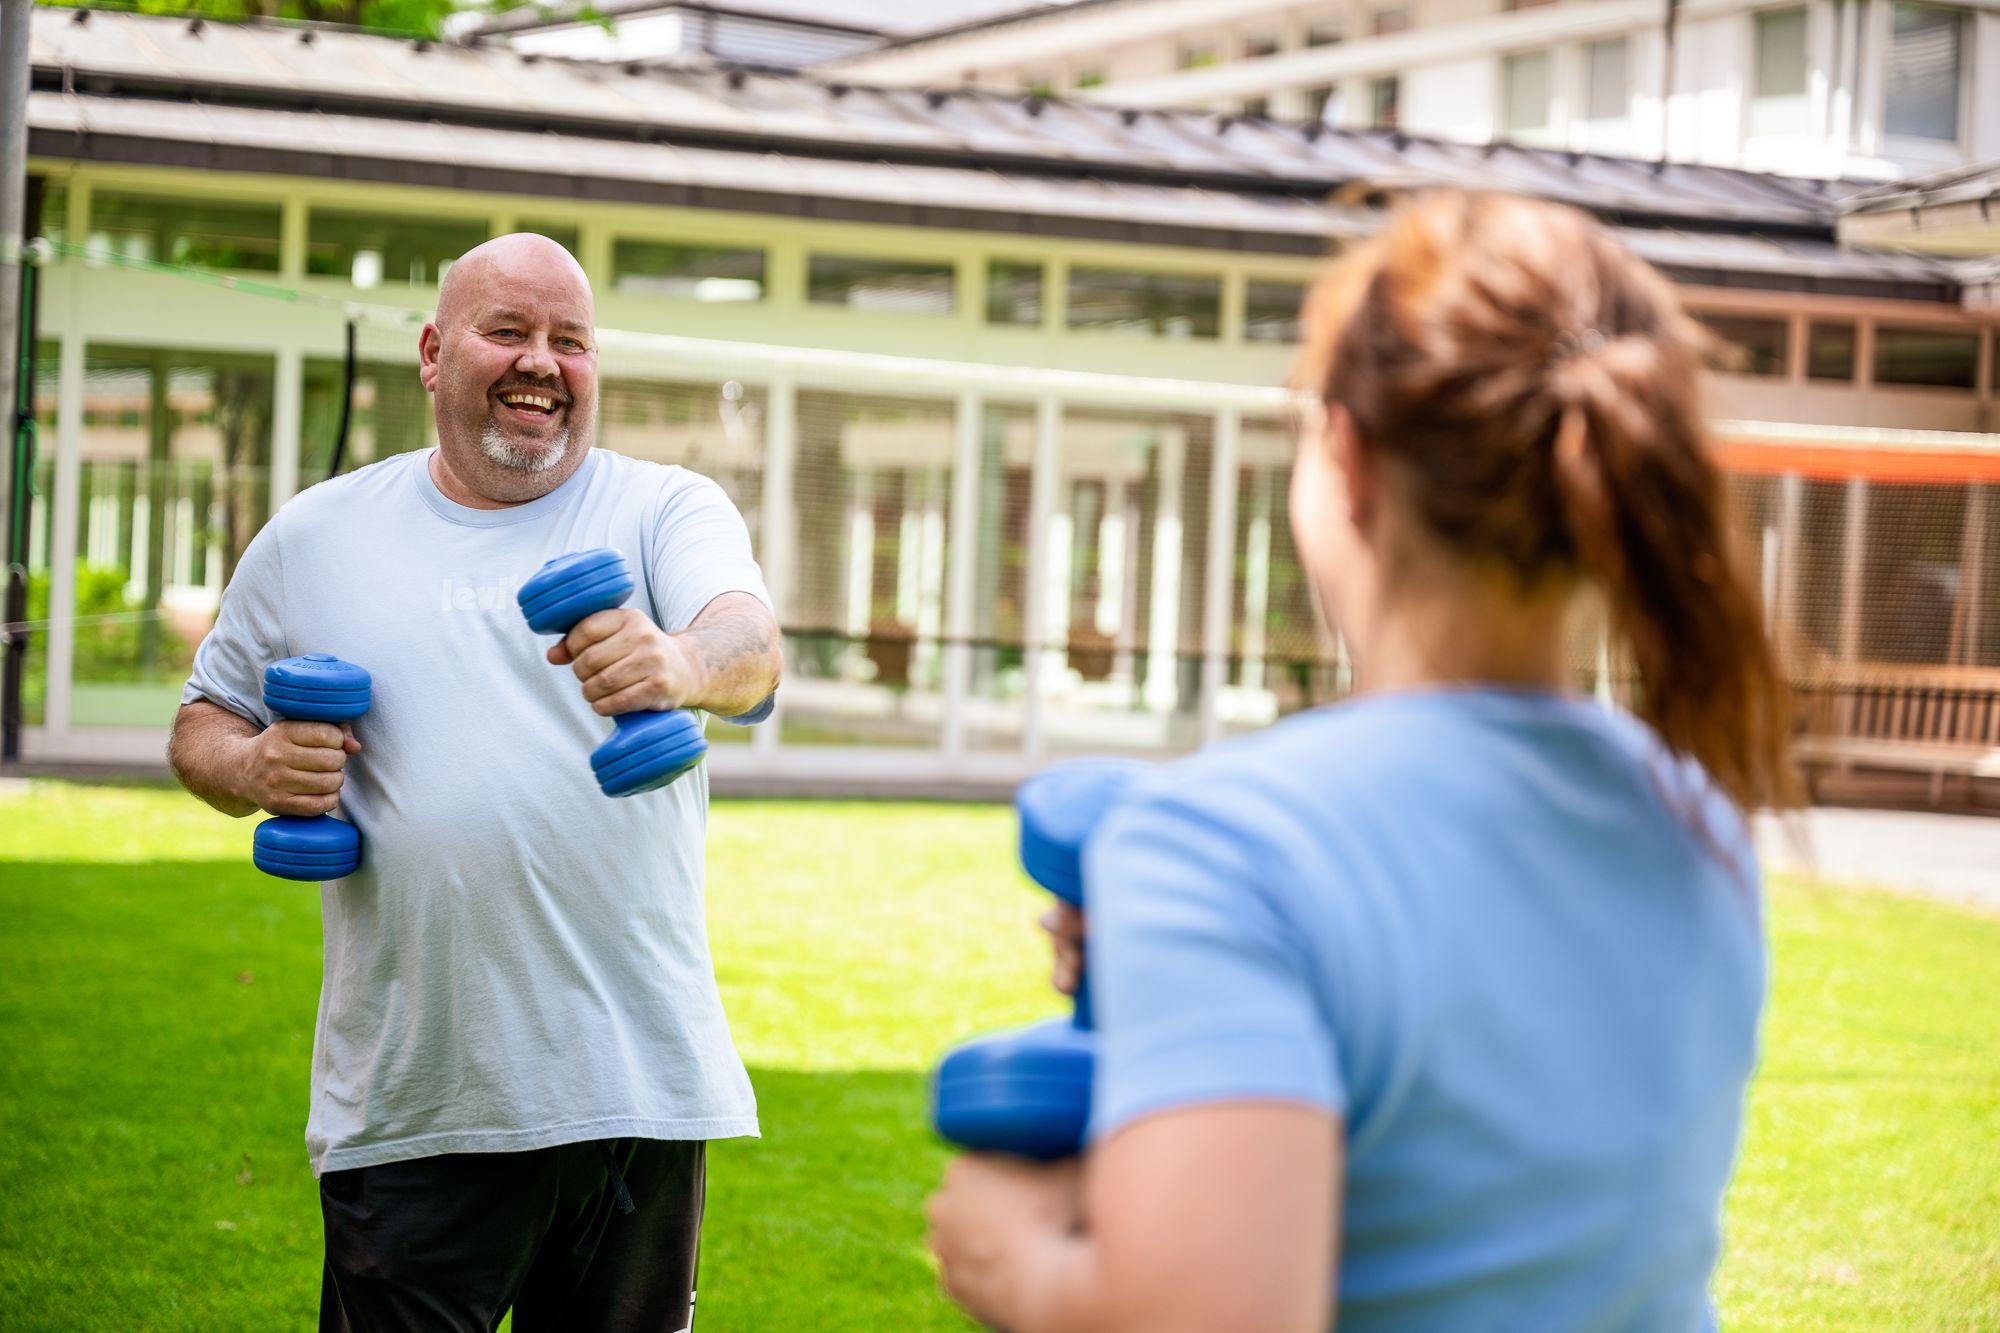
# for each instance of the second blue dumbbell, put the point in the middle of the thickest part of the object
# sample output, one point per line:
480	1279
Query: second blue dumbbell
1027	1092
314	688
646	750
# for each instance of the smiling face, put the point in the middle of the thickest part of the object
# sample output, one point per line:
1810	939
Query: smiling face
511	359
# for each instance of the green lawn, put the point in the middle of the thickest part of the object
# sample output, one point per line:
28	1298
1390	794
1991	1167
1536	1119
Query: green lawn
156	1008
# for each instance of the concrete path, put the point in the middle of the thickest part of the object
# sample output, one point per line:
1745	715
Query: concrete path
1956	857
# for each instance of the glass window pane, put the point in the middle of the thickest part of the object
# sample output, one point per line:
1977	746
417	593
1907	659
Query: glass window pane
690	272
864	628
1525	92
390	413
1013	292
1934	358
1323	104
1830	352
1166	305
1394	19
1912	580
1923	74
55	210
1781	53
896	285
1265	44
1607	82
1271	311
172	485
200	232
1325	34
1748	344
369	249
1384	102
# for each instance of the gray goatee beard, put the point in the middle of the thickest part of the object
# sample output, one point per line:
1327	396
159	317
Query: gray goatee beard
493	442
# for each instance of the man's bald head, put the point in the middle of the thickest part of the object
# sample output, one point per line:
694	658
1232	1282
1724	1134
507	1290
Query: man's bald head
511	362
521	258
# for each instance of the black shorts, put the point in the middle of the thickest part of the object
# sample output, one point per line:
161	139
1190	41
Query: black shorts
602	1235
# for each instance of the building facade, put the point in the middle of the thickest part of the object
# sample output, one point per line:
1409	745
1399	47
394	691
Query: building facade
993	379
1873	89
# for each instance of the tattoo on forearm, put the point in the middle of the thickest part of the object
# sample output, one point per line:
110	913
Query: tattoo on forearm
738	645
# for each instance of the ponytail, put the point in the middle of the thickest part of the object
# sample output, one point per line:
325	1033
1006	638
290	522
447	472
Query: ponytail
1539	385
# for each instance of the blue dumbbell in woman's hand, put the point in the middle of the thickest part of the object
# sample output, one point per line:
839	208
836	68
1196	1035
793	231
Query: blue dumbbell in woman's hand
313	688
1027	1092
646	749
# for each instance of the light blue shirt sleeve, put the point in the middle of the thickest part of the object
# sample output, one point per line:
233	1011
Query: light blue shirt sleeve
248	634
701	550
1203	990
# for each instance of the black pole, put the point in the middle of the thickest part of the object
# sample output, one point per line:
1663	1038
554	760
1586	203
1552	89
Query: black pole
18	421
346	408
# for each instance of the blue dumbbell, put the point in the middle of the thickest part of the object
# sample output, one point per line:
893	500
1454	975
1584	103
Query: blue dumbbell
314	688
646	749
1027	1092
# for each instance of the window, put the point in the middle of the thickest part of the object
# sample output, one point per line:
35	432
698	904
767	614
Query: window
690	272
1747	344
54	222
1167	305
1013	292
1266	44
563	234
368	248
1524	96
1923	74
1257	108
1039	85
1607	82
1778	103
1195	57
1271	311
1325	34
198	232
1090	78
1394	19
1830	351
1512	5
1929	358
1384	100
1323	104
900	286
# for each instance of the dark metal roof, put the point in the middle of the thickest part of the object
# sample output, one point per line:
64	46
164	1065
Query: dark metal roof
1974	184
339	103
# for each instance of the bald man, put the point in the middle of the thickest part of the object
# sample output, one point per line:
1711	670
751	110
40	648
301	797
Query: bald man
520	1052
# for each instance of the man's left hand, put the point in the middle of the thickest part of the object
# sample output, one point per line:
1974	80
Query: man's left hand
628	664
989	1212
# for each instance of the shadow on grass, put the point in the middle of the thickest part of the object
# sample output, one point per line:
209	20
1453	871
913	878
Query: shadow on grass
159	1037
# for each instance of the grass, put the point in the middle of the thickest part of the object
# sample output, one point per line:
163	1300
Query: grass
156	1011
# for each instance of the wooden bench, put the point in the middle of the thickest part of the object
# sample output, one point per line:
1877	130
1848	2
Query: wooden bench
1944	721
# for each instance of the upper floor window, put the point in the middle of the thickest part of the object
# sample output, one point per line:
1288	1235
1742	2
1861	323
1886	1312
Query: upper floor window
1607	80
1923	72
1198	56
1257	108
1167	305
904	286
1927	358
1394	19
1778	102
1090	78
1748	344
1271	311
1830	351
371	248
562	233
205	233
691	272
1325	34
1385	98
1524	93
1264	44
1323	104
1013	292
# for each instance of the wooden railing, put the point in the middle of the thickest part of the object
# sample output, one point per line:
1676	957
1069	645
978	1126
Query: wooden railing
1934	720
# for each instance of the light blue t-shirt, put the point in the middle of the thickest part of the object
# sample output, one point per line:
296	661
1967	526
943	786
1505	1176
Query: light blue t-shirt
521	961
1509	940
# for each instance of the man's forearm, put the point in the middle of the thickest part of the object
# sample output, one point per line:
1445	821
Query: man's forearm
206	754
736	641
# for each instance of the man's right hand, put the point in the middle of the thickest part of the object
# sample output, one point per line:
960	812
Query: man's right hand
294	768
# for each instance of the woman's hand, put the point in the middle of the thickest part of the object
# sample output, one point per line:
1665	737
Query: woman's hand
987	1217
1065	927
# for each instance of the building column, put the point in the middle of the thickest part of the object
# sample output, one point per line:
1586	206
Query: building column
1257	582
1163	619
64	504
1219	573
777	528
1043	477
968	447
857	610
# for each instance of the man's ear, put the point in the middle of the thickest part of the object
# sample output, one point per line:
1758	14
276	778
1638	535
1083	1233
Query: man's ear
428	344
1357	464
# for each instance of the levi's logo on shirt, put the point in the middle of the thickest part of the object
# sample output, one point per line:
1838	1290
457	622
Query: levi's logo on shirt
455	595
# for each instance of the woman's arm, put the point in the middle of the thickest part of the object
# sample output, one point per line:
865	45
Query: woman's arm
1207	1217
